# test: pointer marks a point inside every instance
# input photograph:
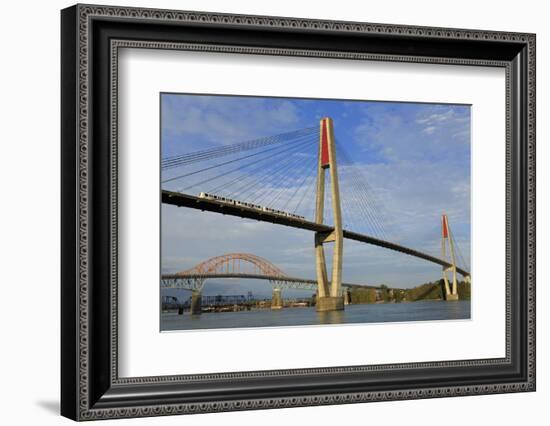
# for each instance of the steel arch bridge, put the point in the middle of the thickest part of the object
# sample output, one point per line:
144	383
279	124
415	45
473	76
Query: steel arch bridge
237	265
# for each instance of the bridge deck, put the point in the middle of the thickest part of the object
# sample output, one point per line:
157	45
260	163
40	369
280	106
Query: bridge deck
185	200
258	276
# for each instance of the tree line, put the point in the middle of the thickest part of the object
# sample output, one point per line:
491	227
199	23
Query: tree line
428	291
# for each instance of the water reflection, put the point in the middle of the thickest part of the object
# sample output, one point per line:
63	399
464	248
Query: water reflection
330	317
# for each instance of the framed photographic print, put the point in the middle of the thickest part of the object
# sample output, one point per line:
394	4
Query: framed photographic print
263	212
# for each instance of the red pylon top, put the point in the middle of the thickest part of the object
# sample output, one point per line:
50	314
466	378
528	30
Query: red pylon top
324	143
444	226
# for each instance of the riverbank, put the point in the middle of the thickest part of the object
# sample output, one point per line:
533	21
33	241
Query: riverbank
427	291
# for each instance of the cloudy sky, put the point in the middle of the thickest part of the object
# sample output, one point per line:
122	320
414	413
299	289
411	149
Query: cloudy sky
414	158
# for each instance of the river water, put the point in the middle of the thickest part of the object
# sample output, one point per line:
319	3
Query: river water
369	313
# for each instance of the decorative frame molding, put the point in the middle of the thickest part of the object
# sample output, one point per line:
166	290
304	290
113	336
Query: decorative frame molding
91	37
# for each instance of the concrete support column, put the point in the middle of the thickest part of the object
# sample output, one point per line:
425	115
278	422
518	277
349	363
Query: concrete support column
321	269
446	282
451	290
455	282
337	254
196	303
347	298
320	261
276	299
330	298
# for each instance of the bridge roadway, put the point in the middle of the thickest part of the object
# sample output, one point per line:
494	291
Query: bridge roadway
186	200
298	282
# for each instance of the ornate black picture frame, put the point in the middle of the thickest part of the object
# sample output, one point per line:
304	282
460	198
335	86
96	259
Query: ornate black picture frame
91	387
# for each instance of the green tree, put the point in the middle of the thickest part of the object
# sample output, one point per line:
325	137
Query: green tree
385	293
398	295
363	295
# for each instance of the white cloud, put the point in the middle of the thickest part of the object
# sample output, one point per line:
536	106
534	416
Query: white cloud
429	130
193	117
417	132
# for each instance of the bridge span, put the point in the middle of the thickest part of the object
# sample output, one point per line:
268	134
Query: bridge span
185	200
179	281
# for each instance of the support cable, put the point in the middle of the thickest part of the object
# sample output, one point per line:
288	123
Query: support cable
308	190
300	185
279	178
260	186
236	169
356	190
265	172
274	177
251	175
305	166
183	159
361	186
222	164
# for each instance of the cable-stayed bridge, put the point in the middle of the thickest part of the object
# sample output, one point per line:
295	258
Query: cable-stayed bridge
302	179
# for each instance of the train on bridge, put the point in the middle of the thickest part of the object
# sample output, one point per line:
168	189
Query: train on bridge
252	206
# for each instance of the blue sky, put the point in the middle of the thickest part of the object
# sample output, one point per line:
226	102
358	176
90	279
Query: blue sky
415	158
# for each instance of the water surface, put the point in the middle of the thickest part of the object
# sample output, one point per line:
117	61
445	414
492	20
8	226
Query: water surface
353	314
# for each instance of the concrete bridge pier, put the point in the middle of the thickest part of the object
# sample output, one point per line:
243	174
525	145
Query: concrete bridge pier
451	290
451	293
196	303
276	299
347	297
330	303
